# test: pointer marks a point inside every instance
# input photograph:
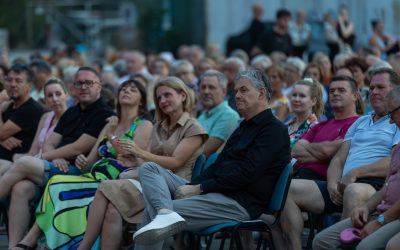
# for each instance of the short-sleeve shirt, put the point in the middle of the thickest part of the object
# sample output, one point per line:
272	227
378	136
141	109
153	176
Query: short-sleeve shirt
220	121
370	141
391	188
326	131
164	142
75	121
27	117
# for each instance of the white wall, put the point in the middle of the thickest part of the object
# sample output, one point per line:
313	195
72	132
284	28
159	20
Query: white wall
228	17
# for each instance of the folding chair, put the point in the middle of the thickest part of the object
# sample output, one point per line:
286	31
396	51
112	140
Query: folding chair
275	207
198	166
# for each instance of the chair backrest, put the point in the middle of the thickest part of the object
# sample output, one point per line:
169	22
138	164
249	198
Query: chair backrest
281	189
202	164
210	160
198	166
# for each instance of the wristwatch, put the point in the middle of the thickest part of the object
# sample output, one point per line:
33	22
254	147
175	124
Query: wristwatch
381	219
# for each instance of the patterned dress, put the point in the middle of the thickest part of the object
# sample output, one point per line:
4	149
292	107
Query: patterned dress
63	209
296	135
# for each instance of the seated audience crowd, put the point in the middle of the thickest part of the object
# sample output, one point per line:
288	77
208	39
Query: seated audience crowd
92	150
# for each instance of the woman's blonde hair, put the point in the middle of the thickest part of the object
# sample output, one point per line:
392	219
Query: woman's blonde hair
179	86
315	93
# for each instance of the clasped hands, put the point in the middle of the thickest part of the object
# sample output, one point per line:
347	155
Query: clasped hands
128	148
359	218
336	190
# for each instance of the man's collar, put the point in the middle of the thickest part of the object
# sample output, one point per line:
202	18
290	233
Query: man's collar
90	106
215	109
372	115
261	117
16	104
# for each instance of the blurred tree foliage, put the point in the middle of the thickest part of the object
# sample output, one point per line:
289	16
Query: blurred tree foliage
13	17
28	25
186	23
150	16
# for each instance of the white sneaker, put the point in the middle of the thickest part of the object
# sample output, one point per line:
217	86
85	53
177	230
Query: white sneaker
162	227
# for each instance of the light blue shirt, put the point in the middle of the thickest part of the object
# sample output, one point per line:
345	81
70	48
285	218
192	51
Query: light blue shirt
370	141
220	121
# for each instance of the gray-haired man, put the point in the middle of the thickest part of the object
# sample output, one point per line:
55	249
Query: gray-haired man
237	186
218	118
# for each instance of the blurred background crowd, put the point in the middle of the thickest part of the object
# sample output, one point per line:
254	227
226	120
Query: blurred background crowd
185	38
295	43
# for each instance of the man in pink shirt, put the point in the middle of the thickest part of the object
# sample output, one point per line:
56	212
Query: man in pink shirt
378	219
314	151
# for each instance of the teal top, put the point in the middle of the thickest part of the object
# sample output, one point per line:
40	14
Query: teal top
220	121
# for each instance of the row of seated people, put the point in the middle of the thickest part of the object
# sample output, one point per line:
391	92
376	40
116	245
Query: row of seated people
359	151
177	147
342	171
74	130
170	98
283	74
175	142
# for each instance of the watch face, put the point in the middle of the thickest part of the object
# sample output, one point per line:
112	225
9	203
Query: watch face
381	219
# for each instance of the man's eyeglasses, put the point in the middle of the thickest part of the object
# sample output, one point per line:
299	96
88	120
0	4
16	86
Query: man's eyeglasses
84	84
390	113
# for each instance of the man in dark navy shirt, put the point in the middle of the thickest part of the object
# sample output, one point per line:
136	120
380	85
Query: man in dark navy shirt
237	186
76	133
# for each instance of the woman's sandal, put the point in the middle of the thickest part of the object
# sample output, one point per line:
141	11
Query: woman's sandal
26	247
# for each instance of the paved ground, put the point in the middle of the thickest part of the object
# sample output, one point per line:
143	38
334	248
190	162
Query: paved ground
3	242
